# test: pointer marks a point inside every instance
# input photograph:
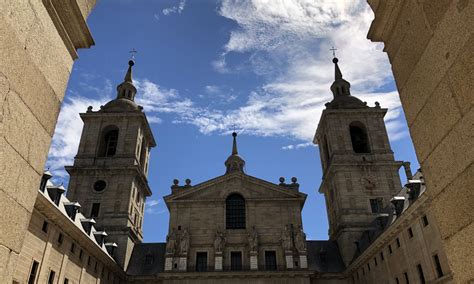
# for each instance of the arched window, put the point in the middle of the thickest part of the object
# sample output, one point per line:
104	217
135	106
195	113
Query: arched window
235	212
108	145
360	141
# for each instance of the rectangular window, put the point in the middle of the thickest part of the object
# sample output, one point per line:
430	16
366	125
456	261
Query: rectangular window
33	272
439	270
396	280
201	261
363	271
420	273
390	249
60	238
375	261
376	205
410	232
398	242
270	260
407	281
44	228
381	256
368	266
66	281
235	260
80	254
95	210
73	247
52	274
425	221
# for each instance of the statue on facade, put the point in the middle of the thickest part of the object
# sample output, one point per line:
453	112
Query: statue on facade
219	241
300	239
286	238
253	239
184	242
171	242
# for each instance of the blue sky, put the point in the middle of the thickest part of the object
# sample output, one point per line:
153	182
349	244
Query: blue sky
203	66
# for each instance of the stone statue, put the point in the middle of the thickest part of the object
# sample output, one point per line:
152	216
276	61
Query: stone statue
286	238
184	242
219	242
300	239
253	239
171	242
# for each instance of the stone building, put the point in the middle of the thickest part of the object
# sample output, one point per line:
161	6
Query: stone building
430	45
38	43
233	228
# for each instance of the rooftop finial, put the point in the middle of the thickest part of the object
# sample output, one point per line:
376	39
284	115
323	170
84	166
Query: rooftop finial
333	51
234	145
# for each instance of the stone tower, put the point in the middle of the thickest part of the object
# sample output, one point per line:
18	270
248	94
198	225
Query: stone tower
109	175
360	175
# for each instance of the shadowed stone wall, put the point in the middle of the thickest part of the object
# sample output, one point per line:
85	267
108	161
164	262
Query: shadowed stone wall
38	42
430	45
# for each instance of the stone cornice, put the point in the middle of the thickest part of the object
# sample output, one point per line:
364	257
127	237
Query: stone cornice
70	24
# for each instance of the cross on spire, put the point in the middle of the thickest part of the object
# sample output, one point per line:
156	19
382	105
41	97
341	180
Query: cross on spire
133	52
333	51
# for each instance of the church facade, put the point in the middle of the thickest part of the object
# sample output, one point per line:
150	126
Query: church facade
234	228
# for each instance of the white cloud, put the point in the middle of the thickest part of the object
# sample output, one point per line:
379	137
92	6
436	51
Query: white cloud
175	9
297	146
154	206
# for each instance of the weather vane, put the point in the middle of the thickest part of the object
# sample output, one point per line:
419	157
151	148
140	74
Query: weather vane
333	51
133	52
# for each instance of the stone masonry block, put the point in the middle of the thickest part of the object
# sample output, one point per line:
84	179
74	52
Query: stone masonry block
440	53
461	254
41	41
417	36
447	207
440	110
16	219
23	132
451	157
8	260
26	79
17	178
461	77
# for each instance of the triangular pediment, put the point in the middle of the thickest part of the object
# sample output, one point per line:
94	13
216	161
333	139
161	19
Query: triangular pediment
248	186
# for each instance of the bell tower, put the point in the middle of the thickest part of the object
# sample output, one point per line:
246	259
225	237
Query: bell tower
360	175
109	174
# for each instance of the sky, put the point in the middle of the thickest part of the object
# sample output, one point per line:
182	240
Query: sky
204	67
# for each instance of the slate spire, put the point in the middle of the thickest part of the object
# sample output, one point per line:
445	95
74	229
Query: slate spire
339	87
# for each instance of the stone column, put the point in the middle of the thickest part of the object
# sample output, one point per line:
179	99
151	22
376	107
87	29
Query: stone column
218	261
253	260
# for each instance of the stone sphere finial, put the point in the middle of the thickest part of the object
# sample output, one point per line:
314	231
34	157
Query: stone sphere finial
131	62
282	179
175	181
294	179
335	60
188	181
89	108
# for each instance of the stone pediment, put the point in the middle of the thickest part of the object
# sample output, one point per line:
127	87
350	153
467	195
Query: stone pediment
251	188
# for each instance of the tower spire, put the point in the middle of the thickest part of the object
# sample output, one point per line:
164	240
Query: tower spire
234	162
341	90
126	89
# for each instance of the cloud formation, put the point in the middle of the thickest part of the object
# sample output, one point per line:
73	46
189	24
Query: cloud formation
287	44
175	9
